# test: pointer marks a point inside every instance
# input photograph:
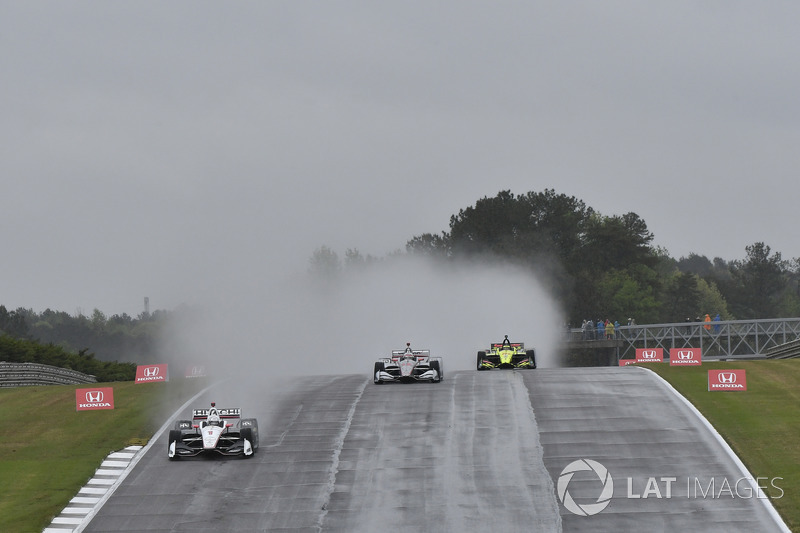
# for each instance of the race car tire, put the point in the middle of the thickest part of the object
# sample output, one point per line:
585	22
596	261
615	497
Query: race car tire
532	356
481	357
252	425
438	368
174	436
379	367
247	433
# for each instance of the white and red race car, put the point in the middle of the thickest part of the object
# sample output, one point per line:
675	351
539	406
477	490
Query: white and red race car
408	365
214	430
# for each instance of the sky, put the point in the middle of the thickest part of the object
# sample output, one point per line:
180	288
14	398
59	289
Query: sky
186	151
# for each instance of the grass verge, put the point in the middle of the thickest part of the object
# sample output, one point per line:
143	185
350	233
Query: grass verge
761	424
52	450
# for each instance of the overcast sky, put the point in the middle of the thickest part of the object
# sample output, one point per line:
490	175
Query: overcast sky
162	149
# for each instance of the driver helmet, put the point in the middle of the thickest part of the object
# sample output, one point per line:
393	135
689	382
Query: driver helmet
213	418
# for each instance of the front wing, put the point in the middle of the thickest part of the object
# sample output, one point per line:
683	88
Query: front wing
190	444
491	361
389	375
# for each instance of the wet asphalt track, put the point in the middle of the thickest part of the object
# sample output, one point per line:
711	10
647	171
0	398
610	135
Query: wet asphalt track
481	451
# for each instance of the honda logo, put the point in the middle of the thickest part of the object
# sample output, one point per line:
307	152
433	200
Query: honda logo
727	377
94	396
151	371
649	354
685	355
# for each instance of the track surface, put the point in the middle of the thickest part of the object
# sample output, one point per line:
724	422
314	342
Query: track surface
481	451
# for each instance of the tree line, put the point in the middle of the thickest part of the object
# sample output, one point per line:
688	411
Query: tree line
601	266
596	266
106	347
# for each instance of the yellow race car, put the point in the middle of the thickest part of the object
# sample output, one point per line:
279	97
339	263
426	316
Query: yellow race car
506	354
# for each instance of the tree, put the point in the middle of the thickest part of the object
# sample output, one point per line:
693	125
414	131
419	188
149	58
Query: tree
711	300
13	323
430	245
324	263
681	297
759	282
696	264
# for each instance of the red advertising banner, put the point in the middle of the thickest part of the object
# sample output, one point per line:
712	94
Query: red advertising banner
626	362
685	357
730	380
152	373
649	355
196	371
94	399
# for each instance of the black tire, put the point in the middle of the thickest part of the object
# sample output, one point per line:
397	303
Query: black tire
438	368
247	433
481	356
174	436
252	425
532	355
379	367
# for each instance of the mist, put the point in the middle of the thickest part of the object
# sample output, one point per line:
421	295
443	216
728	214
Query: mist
301	324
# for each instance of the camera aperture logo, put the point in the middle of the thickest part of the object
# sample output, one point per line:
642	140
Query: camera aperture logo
587	509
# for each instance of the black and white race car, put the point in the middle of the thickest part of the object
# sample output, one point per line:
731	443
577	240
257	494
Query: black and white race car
216	430
408	365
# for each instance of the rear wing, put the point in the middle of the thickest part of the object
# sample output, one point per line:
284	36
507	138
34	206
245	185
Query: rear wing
518	346
416	353
230	412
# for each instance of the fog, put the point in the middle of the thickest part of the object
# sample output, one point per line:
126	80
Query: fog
305	325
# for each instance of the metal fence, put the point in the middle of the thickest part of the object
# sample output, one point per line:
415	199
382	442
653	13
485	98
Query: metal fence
727	339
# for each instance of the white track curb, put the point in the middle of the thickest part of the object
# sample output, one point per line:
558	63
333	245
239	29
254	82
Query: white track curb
112	472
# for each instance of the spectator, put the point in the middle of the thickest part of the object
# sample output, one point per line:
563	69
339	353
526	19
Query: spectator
616	329
707	320
609	330
717	326
601	329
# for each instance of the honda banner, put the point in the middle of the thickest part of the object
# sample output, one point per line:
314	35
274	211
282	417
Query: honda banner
196	371
626	362
733	380
151	373
649	355
685	357
94	399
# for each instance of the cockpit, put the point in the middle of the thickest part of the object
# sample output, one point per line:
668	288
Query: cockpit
213	418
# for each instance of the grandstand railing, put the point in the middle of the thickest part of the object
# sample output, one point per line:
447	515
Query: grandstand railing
29	374
726	339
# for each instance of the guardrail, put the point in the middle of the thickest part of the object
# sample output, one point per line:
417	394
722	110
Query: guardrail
31	374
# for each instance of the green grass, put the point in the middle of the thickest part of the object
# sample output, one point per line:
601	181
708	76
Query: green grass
762	424
53	450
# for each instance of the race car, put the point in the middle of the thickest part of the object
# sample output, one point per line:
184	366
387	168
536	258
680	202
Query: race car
408	365
506	354
214	430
